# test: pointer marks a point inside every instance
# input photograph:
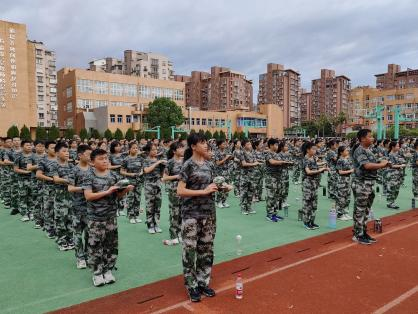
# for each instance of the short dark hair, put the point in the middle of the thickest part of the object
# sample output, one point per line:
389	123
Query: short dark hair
25	142
48	143
97	152
113	145
363	133
60	145
37	142
272	141
82	148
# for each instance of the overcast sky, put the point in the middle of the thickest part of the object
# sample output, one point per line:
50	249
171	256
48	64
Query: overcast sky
355	38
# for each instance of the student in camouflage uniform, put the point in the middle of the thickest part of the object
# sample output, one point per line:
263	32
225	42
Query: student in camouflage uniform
365	175
132	168
76	180
260	170
37	156
344	169
196	188
414	166
283	154
73	159
116	160
7	165
331	159
153	170
236	169
12	187
248	164
311	177
394	174
45	172
101	192
2	150
295	151
223	163
384	170
63	213
171	177
22	164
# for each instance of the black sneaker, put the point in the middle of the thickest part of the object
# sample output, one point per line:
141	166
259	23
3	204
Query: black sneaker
194	295
361	240
209	292
368	237
308	226
14	212
314	226
392	206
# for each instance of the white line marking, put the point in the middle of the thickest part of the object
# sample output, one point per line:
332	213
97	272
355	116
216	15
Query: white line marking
397	301
188	307
271	272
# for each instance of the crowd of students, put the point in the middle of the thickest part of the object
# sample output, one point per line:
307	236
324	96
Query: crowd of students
75	190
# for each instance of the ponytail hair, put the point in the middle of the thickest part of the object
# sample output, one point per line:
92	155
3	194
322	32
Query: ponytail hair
341	149
193	139
306	146
173	147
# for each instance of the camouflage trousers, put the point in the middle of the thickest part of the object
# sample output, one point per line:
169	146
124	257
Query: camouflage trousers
310	199
48	196
284	186
332	184
343	194
2	184
153	202
415	182
258	179
394	182
296	170
26	196
102	247
221	196
14	192
133	199
37	202
273	187
247	190
198	235
7	186
236	177
80	223
63	216
363	199
175	217
384	180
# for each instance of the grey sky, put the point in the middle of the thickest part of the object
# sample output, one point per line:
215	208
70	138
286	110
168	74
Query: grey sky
356	38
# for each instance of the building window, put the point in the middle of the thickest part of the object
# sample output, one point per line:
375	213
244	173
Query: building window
40	98
69	122
39	61
40	79
69	107
85	103
209	122
85	86
197	121
203	121
39	52
128	119
41	115
101	87
101	103
69	91
120	118
192	121
116	89
112	118
129	90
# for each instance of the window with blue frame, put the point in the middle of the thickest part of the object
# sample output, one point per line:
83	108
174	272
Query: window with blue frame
251	122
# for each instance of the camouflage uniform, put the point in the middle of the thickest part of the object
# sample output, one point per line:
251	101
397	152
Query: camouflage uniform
47	166
331	159
102	248
297	159
79	208
133	198
362	188
37	192
414	167
198	225
11	184
117	160
284	176
310	185
173	168
63	213
247	182
224	171
2	175
343	186
260	171
25	184
273	184
153	193
236	171
73	156
394	177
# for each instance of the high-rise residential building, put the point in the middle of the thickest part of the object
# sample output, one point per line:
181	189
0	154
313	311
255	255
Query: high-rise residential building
305	103
18	93
395	78
109	65
280	86
46	85
147	65
330	94
222	90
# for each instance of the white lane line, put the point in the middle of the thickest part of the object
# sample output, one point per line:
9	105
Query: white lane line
274	271
397	301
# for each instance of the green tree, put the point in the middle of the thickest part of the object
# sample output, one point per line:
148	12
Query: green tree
40	134
118	134
53	133
216	135
83	134
222	135
139	135
165	113
130	135
235	136
95	134
201	132
192	131
108	134
208	135
25	133
13	131
69	133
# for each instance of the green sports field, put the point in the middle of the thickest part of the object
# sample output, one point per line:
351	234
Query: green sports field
35	277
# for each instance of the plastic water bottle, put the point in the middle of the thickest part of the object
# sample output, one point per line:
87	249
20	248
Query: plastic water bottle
332	218
239	287
371	214
239	249
413	203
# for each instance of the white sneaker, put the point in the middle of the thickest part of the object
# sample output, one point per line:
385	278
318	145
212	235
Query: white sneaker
122	213
225	205
285	205
252	211
175	241
81	264
37	226
348	217
108	277
219	205
343	218
151	230
138	220
25	218
98	280
30	216
157	229
132	221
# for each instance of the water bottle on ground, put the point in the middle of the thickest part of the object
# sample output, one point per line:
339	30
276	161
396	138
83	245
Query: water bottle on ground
332	218
239	287
239	249
371	214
